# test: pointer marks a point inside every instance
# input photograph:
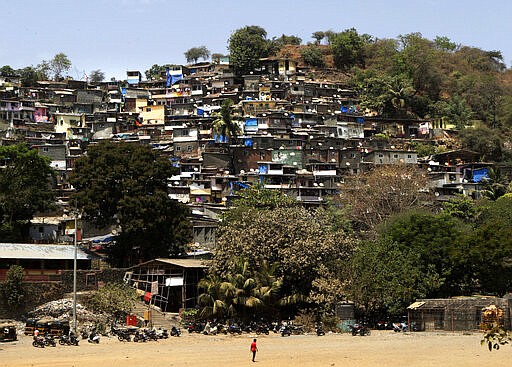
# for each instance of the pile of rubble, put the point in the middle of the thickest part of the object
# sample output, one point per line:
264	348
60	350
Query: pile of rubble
62	309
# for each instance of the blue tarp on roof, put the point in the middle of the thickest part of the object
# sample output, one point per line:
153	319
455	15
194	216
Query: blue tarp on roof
480	174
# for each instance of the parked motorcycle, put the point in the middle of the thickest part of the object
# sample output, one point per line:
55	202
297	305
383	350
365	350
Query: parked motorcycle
68	340
38	342
285	330
319	329
359	329
49	341
175	331
140	336
162	333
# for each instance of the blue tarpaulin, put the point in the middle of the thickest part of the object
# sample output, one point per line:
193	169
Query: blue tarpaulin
480	174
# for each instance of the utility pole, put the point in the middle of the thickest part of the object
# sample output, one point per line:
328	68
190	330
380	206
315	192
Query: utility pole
74	271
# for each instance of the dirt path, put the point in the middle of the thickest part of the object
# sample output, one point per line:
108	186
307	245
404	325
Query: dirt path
380	349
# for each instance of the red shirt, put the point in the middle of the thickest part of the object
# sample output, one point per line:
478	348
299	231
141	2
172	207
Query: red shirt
253	347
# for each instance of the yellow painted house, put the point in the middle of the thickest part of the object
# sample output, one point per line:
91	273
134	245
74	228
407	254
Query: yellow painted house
154	114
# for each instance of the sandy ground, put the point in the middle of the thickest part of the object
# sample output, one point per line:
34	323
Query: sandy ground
382	348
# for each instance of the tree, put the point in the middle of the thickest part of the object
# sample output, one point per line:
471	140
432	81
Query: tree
12	289
113	299
59	65
371	202
216	57
495	186
155	72
278	43
246	46
483	140
445	44
126	185
24	189
6	70
348	48
302	243
383	279
193	54
313	56
225	129
96	76
318	36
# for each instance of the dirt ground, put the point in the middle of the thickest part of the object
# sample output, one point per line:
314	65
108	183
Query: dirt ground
382	348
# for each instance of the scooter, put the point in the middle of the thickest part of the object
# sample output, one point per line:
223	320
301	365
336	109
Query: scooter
94	337
285	330
319	330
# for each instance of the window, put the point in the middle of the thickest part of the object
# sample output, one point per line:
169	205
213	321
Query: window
381	156
148	109
178	148
352	155
45	149
90	279
395	155
409	156
189	148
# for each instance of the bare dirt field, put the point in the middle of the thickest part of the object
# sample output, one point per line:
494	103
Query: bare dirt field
382	348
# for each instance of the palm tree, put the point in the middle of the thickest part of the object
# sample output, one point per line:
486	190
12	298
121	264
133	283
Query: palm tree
225	130
212	300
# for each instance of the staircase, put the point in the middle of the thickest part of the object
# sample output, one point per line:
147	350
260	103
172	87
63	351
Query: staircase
165	320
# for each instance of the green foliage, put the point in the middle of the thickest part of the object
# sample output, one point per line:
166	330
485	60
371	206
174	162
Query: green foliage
275	44
348	48
223	124
155	71
12	289
113	298
444	43
318	36
58	65
313	56
195	53
461	207
483	140
382	277
96	76
496	185
302	243
246	46
456	110
126	185
24	189
6	70
260	198
424	150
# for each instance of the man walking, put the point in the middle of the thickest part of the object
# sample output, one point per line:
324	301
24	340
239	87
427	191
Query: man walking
254	349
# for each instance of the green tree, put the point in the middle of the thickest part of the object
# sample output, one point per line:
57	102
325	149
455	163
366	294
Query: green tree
24	189
384	279
495	186
126	185
225	128
246	46
58	65
302	243
278	43
483	140
12	289
348	48
113	298
461	207
96	76
489	248
313	56
445	44
195	53
6	70
258	197
318	36
155	72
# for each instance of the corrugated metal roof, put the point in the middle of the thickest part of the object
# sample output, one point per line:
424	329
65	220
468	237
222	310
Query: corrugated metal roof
32	251
416	305
186	263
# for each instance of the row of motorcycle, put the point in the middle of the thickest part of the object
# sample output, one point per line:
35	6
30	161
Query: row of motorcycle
144	335
284	328
49	340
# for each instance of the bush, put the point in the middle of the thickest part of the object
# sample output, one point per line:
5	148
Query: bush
12	288
113	298
312	55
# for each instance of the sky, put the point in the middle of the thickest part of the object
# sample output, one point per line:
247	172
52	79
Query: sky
119	35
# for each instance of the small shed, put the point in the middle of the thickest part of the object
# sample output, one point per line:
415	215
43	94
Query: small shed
170	284
455	314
